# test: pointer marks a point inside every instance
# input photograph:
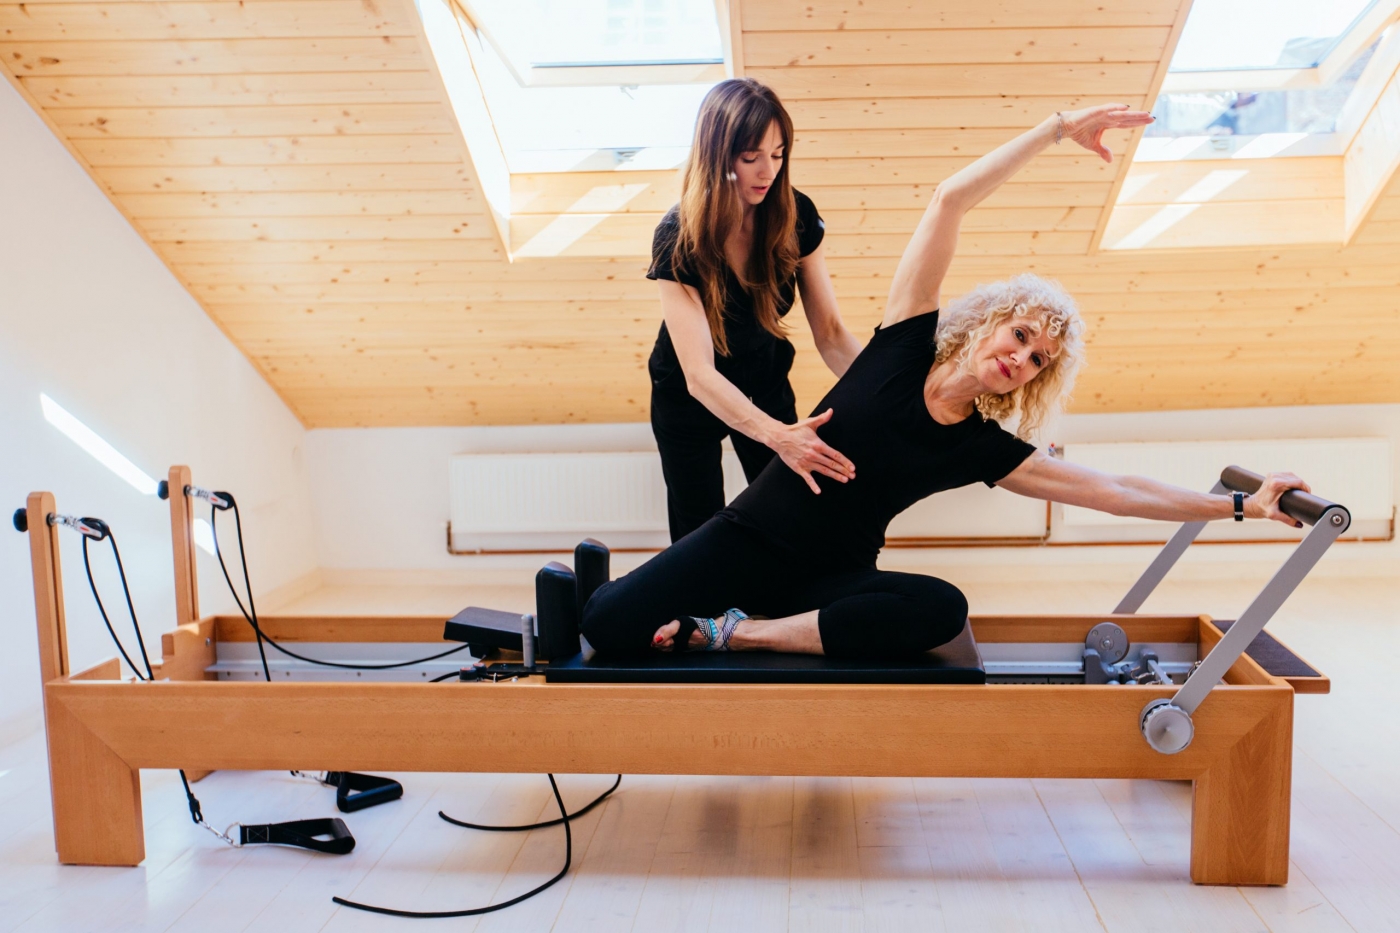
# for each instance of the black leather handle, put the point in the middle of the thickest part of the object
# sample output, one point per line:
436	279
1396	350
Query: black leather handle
1296	504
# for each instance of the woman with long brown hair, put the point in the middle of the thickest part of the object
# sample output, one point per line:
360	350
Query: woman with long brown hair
729	259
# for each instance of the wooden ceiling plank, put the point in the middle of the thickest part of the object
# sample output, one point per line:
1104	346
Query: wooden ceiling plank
896	113
286	178
207	19
329	251
270	150
1106	80
876	144
253	122
272	89
969	46
833	15
908	170
212	56
301	204
561	279
362	227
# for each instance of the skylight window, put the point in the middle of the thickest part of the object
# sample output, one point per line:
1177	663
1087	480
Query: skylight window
1251	112
602	33
1237	34
589	128
594	85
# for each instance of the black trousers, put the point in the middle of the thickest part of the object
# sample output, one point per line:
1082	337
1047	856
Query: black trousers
688	437
862	612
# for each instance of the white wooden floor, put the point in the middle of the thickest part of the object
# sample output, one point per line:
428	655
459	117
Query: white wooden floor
760	854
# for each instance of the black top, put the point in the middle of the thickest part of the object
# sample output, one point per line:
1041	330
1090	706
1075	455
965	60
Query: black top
882	424
757	359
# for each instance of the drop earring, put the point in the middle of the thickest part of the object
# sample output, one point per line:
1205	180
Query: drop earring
732	176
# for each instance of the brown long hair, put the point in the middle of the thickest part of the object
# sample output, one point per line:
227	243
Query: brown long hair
734	117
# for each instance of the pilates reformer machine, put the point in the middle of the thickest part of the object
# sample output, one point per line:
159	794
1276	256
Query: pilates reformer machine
1117	695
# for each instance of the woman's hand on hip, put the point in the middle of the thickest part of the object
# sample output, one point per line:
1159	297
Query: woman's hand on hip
1087	126
806	453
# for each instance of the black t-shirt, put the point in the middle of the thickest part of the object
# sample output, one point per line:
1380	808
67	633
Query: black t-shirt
882	424
757	360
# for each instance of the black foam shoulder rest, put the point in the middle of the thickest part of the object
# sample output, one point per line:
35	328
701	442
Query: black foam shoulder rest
957	662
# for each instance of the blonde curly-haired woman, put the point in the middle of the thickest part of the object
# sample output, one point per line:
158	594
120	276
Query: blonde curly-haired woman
925	407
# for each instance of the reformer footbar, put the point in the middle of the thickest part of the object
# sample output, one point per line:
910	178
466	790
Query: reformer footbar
1166	723
329	835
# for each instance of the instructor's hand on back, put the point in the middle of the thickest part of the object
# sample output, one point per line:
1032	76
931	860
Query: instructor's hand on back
806	453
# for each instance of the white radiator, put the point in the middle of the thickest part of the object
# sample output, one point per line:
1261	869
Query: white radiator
550	501
1355	472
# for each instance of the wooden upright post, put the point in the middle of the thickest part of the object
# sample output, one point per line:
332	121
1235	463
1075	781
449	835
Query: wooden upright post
90	828
48	587
182	542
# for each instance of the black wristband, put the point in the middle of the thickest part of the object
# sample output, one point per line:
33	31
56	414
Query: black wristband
1239	506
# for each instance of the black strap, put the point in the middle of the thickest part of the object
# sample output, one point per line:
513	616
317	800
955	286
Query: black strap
304	834
357	791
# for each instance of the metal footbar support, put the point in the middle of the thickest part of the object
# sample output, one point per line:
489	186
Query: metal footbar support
1166	723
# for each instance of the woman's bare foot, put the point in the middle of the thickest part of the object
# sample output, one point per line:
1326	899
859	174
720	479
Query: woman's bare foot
796	634
665	637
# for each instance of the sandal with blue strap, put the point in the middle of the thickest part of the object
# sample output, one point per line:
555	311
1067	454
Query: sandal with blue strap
716	632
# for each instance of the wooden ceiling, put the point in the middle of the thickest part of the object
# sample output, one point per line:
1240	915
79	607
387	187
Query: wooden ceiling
297	165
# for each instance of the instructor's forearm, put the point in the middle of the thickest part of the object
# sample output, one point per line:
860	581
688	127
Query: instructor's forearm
734	408
967	187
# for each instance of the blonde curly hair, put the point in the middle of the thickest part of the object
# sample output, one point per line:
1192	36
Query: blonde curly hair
1047	309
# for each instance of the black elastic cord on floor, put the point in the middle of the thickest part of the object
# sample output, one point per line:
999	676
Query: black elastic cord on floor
527	826
474	911
250	614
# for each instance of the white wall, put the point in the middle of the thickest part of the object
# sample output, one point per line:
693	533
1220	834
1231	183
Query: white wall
91	317
381	495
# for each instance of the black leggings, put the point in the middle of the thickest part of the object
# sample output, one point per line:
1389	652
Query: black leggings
863	613
688	437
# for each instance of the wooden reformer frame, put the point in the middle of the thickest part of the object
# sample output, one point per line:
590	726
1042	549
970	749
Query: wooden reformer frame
103	730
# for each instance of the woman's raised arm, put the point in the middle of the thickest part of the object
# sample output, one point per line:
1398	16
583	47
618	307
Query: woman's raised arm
925	262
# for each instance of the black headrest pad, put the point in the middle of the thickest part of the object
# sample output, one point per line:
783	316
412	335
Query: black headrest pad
957	662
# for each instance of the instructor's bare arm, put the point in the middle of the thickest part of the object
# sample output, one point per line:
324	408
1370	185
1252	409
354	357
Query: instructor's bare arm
1054	480
797	444
837	345
922	268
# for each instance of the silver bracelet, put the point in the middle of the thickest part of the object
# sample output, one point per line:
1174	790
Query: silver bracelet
1059	127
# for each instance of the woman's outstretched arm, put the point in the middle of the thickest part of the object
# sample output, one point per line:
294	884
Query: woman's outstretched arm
925	262
1044	477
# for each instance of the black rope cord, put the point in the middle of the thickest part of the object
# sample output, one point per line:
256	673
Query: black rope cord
250	613
474	911
528	826
92	584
